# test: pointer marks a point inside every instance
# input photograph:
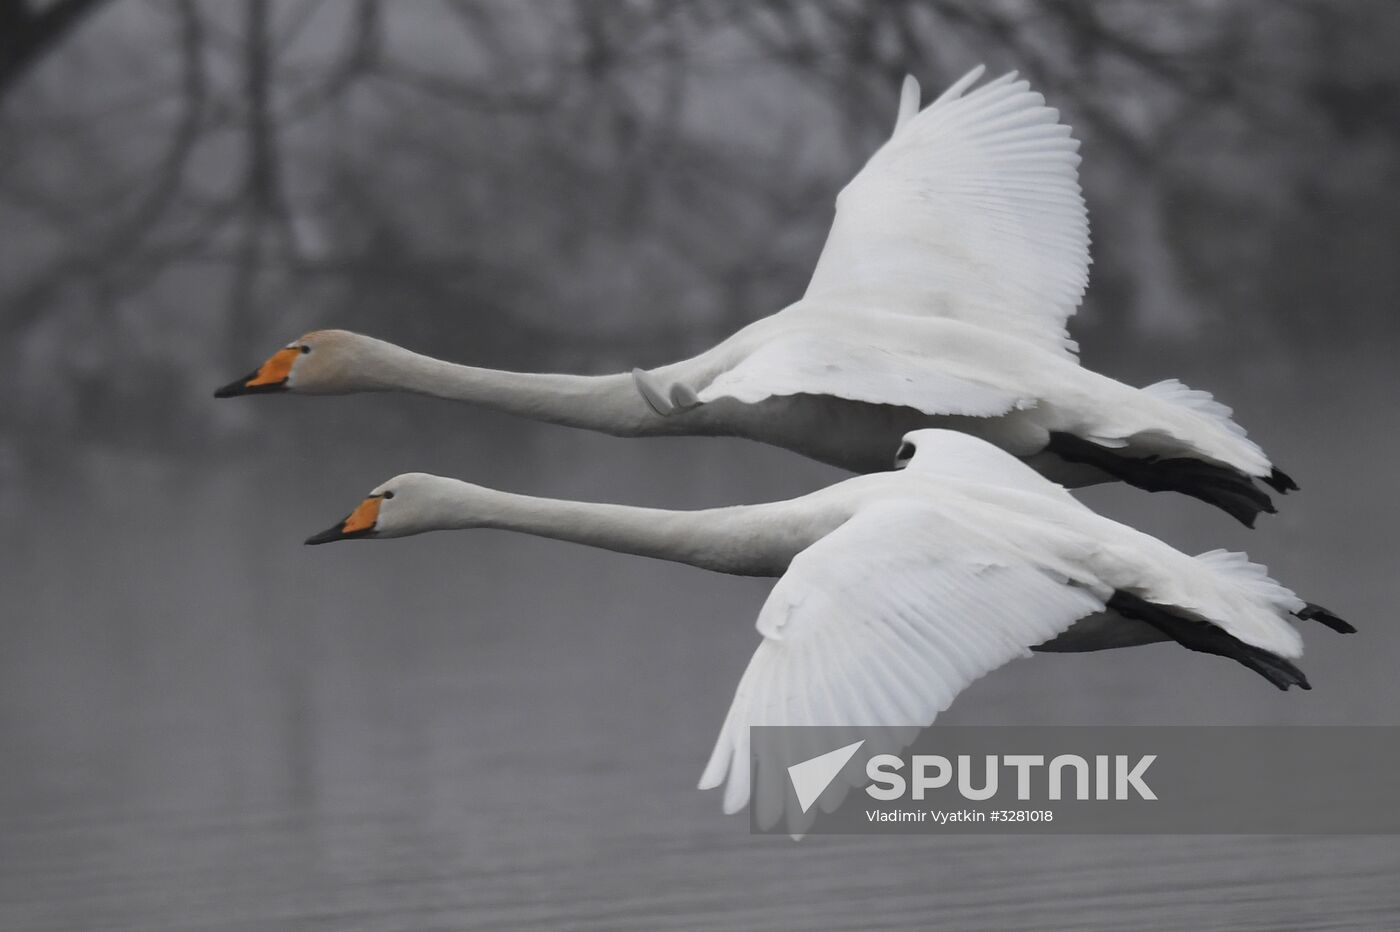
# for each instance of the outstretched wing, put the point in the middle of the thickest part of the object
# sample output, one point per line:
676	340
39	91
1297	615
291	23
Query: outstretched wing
883	622
971	211
811	363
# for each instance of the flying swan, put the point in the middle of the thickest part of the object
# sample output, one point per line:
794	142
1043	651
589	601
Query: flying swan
956	257
901	588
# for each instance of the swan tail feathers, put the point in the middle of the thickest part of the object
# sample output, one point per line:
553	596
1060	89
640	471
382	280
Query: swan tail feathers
1174	391
1252	579
1225	440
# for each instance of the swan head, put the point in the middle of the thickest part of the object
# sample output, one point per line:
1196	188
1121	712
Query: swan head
954	455
408	504
905	453
942	444
323	362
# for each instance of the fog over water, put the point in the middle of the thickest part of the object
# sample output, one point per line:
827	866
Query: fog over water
205	724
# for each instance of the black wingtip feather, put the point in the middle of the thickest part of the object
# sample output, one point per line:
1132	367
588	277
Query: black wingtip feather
1314	612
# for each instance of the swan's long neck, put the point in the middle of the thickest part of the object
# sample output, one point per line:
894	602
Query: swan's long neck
746	540
607	403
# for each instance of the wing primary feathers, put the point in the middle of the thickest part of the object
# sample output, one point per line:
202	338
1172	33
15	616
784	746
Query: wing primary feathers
980	178
836	652
908	102
960	85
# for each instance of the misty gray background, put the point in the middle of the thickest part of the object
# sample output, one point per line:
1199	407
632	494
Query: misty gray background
204	724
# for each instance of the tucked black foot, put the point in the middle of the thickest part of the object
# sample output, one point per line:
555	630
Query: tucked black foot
1209	639
1322	616
1232	492
1281	482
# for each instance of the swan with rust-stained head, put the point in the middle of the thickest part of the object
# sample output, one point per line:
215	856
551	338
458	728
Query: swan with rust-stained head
900	589
956	257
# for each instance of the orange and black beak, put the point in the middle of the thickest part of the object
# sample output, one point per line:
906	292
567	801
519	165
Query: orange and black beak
271	376
359	523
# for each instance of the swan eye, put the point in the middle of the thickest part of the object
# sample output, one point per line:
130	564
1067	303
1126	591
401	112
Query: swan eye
304	349
906	452
388	495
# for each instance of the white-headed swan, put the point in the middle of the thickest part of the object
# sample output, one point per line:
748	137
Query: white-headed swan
900	589
955	259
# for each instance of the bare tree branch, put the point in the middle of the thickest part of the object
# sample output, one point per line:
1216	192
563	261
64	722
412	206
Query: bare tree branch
26	35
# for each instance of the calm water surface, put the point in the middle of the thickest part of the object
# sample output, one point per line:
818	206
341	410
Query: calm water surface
205	725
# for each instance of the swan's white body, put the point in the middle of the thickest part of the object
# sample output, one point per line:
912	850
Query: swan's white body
940	300
897	589
941	372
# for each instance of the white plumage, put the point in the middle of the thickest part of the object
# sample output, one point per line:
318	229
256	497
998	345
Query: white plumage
956	256
971	564
971	211
900	589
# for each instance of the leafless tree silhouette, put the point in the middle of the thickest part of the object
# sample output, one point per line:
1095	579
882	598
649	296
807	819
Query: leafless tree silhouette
593	184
